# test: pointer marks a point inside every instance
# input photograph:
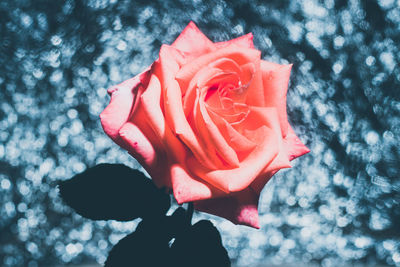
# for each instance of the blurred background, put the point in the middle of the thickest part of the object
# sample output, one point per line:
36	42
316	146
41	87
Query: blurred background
338	205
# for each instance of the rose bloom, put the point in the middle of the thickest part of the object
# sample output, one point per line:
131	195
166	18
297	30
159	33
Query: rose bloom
207	120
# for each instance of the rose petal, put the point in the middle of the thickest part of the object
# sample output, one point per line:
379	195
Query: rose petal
173	107
294	147
193	41
276	80
168	65
238	142
239	208
190	93
175	117
255	162
227	109
143	151
247	72
150	101
205	137
123	98
204	122
256	92
154	117
239	55
217	71
248	170
139	145
270	117
187	188
280	162
259	183
242	41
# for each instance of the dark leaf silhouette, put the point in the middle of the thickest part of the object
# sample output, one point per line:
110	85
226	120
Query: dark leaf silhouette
179	221
147	246
114	191
200	245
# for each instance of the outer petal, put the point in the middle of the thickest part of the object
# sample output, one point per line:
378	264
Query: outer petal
168	65
187	188
139	146
143	151
261	181
294	147
280	162
239	208
193	41
276	80
242	41
150	101
291	148
271	116
154	117
123	98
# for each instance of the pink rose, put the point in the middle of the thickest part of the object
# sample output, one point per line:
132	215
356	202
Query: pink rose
209	121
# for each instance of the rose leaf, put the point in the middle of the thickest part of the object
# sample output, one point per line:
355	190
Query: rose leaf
179	222
201	245
114	192
147	246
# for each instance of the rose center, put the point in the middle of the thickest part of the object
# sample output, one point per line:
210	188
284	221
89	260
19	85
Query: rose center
226	97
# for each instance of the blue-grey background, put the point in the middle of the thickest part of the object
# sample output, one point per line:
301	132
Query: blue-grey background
337	205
